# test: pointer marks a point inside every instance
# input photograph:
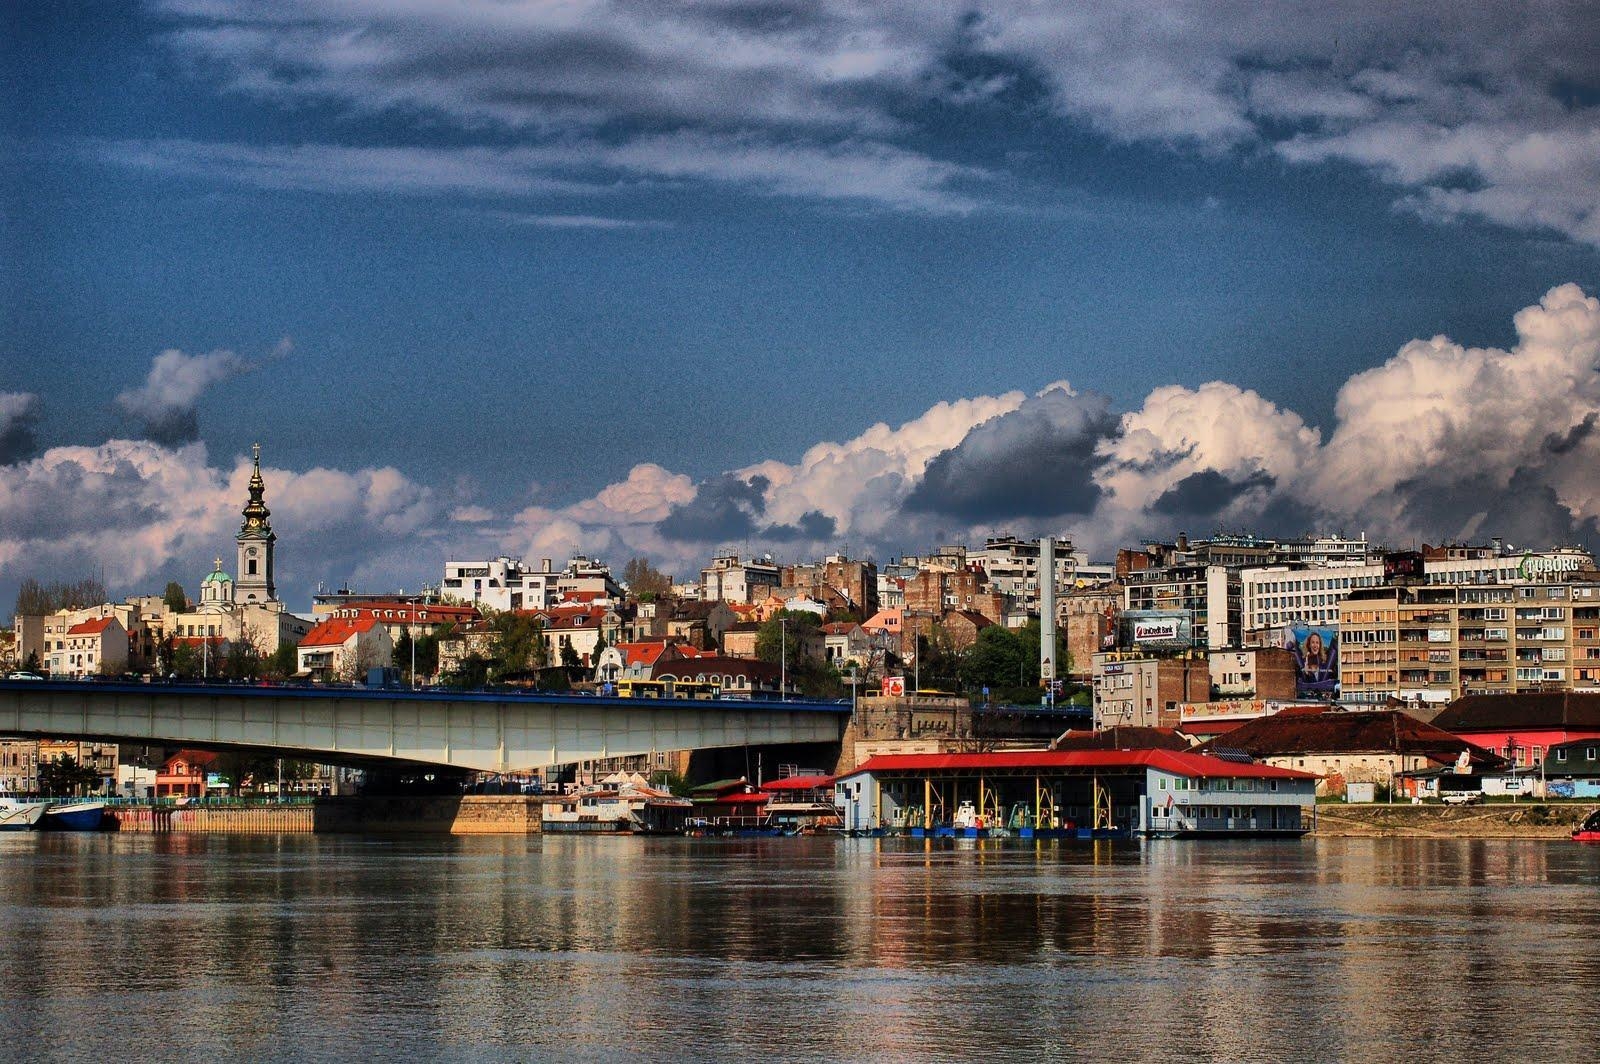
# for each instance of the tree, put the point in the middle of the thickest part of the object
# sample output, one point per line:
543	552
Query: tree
785	633
64	776
186	662
569	657
35	598
283	662
994	660
643	579
242	661
176	599
472	673
519	643
784	639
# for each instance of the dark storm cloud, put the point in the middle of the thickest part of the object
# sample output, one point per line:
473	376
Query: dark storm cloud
1561	443
813	525
1524	511
1208	492
19	422
722	509
1037	461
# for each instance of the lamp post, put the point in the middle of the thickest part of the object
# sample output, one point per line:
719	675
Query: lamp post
783	658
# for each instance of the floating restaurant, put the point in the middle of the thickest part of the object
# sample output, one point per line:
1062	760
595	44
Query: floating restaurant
1075	794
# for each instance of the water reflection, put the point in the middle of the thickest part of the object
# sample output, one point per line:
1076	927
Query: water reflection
795	948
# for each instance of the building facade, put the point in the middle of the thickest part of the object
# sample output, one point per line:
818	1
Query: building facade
1277	596
729	579
1437	643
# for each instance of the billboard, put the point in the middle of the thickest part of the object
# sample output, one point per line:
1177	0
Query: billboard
894	686
1172	629
1316	660
1402	565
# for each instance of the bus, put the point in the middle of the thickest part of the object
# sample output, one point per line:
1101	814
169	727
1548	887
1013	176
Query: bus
667	689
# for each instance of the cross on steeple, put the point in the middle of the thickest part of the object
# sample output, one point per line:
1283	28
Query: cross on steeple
219	563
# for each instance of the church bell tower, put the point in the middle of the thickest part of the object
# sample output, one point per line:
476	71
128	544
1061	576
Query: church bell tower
253	579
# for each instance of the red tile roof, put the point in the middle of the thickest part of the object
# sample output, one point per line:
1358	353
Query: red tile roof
336	631
641	653
1529	709
1385	731
409	612
92	627
1120	738
1179	764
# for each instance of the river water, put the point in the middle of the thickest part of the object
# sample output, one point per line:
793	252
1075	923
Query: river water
308	947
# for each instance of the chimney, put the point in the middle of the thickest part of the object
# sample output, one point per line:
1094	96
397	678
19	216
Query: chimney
544	565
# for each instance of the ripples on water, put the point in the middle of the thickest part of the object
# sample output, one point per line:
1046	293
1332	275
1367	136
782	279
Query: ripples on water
620	948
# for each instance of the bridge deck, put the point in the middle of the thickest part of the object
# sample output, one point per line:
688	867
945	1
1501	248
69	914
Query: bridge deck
497	731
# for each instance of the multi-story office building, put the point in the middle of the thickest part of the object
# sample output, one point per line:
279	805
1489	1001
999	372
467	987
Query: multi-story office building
1208	593
1280	595
1434	643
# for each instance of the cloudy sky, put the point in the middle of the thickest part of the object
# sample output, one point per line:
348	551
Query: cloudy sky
499	277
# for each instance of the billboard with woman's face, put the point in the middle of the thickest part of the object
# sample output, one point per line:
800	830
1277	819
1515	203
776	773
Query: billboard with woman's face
1316	660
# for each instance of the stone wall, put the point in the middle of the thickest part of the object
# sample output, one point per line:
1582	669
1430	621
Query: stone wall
1530	819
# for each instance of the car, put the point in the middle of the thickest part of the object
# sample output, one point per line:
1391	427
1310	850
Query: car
1461	797
19	675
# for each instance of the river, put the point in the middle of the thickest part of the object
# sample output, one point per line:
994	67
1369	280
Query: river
319	947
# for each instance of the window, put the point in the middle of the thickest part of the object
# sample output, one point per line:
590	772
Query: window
1561	755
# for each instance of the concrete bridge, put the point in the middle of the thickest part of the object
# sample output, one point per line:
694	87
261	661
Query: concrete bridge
480	731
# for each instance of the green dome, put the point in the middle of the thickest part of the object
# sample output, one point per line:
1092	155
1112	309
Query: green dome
217	576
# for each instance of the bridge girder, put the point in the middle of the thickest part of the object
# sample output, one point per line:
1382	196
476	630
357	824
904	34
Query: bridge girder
476	731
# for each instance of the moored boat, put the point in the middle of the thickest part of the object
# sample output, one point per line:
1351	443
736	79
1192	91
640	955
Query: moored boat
1589	830
73	816
17	815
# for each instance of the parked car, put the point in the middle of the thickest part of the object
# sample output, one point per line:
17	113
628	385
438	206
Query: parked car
19	675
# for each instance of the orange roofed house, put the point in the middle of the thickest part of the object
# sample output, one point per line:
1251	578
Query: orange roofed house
95	647
183	775
344	648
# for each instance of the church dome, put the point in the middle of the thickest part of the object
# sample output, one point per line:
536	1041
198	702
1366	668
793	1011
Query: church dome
217	576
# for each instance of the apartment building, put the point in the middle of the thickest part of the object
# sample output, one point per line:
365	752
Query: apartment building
500	584
730	579
1140	691
1012	566
1275	596
1435	643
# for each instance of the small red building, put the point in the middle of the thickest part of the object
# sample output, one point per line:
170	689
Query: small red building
730	803
183	775
1522	727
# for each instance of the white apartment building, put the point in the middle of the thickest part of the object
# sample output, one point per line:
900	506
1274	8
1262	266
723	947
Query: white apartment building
501	584
1279	595
727	579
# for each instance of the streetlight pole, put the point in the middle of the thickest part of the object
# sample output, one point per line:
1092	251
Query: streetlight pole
783	658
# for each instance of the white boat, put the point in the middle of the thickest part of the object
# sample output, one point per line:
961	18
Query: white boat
17	815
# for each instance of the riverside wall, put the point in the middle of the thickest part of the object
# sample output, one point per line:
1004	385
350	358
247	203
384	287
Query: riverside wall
465	815
1522	820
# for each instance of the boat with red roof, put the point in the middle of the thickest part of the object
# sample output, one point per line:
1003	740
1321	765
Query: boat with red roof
1589	830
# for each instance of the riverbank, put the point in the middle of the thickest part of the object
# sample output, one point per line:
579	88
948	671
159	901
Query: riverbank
1521	820
464	815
